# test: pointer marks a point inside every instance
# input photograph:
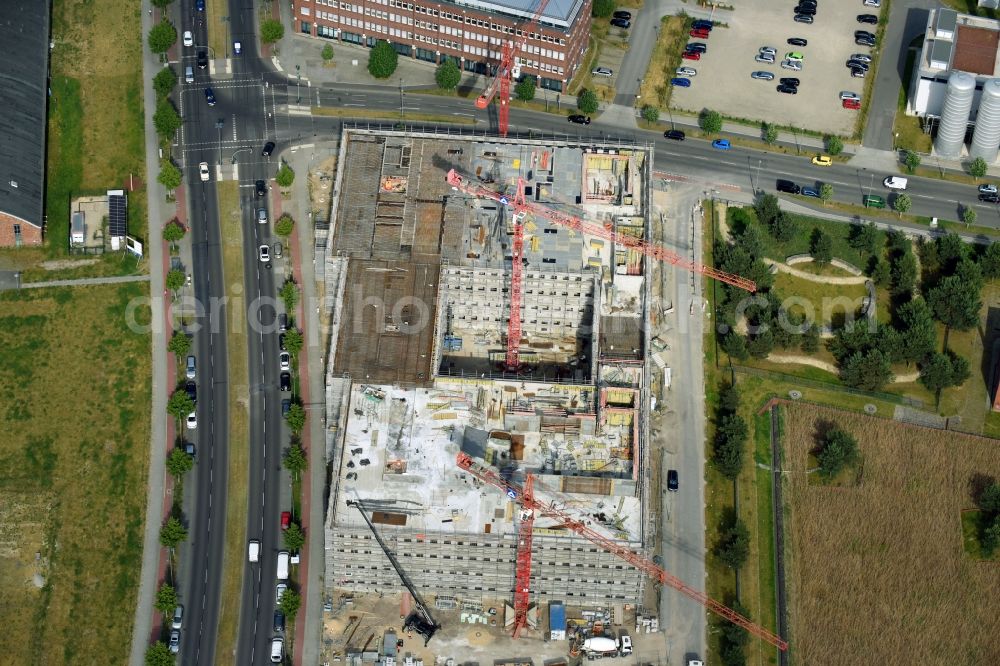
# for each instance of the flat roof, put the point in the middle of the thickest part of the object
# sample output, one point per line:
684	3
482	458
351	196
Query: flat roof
561	12
976	50
24	46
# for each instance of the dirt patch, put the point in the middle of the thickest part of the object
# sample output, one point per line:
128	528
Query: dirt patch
63	264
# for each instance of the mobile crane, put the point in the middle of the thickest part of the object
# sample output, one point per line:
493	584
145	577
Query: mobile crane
420	619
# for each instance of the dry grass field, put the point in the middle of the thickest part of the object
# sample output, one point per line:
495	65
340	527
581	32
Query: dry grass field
74	413
877	573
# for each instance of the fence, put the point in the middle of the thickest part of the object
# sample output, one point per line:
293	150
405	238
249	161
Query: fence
794	381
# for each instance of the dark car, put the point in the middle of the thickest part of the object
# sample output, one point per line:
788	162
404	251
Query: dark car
192	390
989	197
858	34
199	5
286	381
870	19
673	482
864	41
281	342
676	135
621	23
279	622
210	96
703	24
805	10
857	63
286	406
260	187
788	90
622	15
696	47
189	449
579	119
858	73
810	192
282	322
789	82
803	18
202	59
268	149
798	41
787	186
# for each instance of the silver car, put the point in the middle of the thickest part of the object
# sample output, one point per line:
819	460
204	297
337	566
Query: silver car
795	65
601	71
847	94
764	57
860	57
770	50
762	76
686	71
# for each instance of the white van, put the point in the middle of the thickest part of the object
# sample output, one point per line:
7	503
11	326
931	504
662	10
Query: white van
277	650
189	74
253	550
283	565
895	183
625	645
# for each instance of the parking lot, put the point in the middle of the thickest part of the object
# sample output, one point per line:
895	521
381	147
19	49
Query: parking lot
723	81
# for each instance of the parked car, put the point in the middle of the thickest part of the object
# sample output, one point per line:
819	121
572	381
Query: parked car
788	90
189	449
278	250
988	188
621	14
673	481
192	421
210	96
872	3
686	71
188	39
691	55
789	81
857	73
281	342
822	160
797	41
285	360
762	76
199	5
277	650
721	144
175	641
286	406
857	64
286	519
865	41
601	71
870	19
697	47
264	253
990	197
847	94
285	381
579	119
786	186
765	58
675	135
268	149
795	65
680	82
851	104
279	622
810	192
861	57
279	591
192	390
769	49
260	188
700	34
805	10
803	18
703	24
621	23
190	371
203	172
859	34
178	618
794	55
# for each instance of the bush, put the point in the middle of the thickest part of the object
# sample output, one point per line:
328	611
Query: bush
284	225
164	82
769	132
602	8
271	30
525	89
382	60
911	160
447	75
838	451
650	113
978	167
162	36
587	101
834	145
710	121
285	176
327	53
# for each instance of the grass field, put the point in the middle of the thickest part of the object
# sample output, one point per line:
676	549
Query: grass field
239	428
665	58
878	573
75	390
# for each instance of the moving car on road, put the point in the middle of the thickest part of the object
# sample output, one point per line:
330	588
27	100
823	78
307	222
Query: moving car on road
264	252
188	39
203	172
673	481
579	119
675	135
989	197
210	96
268	149
237	48
822	160
260	188
721	144
988	188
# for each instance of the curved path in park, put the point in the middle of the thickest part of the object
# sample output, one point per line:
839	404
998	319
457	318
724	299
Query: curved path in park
830	367
826	279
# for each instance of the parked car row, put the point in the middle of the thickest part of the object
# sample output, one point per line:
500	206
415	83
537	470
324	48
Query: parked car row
805	11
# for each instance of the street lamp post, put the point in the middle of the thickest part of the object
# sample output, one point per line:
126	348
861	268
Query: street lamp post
759	162
225	19
401	98
218	125
298	84
241	150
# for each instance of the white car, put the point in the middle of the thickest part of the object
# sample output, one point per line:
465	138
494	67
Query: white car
253	550
265	253
987	188
873	3
188	38
175	641
178	618
262	215
192	421
769	50
279	591
237	48
764	57
795	65
601	71
686	71
847	94
286	360
203	172
277	650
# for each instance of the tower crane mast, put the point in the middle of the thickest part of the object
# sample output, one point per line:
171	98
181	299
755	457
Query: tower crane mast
516	493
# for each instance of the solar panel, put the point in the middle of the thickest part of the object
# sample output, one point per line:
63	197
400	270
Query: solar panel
117	213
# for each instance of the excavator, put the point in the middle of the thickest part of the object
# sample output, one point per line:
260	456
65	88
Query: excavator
420	619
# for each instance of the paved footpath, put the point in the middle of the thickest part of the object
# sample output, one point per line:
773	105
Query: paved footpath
82	282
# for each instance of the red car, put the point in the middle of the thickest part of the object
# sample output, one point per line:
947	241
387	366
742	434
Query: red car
851	104
689	55
701	34
286	519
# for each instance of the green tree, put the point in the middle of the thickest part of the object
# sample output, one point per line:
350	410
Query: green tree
769	132
525	89
734	546
161	3
863	237
936	373
166	599
991	538
158	654
175	280
296	418
838	450
284	225
294	537
730	441
729	399
735	345
977	168
650	113
969	215
447	75
179	344
295	460
989	261
602	8
810	339
989	499
902	203
166	120
834	145
271	30
285	176
825	192
164	82
290	602
179	463
761	345
903	274
587	101
710	121
955	303
327	53
821	246
173	231
170	176
869	370
293	341
289	294
162	36
881	274
382	60
172	533
767	208
783	227
180	404
911	160
918	331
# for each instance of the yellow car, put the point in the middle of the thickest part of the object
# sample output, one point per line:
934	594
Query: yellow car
822	160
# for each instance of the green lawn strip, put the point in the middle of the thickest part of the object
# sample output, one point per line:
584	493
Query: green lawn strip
65	160
764	532
911	134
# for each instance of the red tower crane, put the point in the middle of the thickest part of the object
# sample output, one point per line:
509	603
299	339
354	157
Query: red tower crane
506	70
522	570
527	501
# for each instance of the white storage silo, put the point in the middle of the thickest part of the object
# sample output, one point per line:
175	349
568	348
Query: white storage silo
955	114
986	137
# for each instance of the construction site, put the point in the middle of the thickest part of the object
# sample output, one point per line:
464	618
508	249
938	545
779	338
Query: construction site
446	421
